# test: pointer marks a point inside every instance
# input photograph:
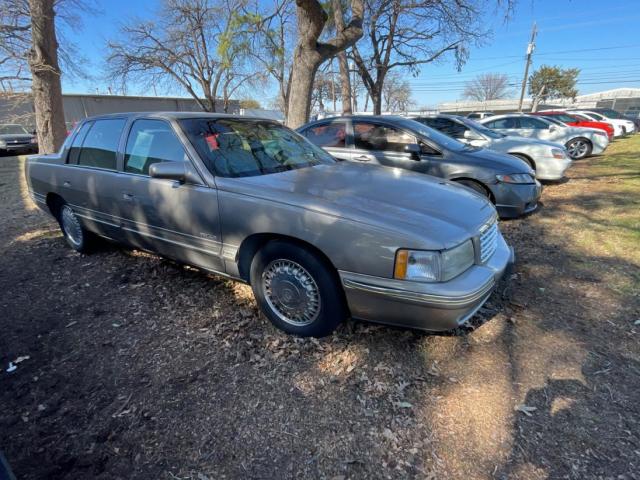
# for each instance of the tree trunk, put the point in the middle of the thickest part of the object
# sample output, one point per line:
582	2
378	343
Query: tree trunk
376	100
304	71
345	81
310	53
45	72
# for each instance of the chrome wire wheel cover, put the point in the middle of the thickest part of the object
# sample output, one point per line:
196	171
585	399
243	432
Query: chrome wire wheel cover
291	292
577	149
71	226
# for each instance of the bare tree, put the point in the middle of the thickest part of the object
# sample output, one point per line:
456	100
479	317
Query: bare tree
488	86
196	44
325	89
405	35
310	52
30	58
396	93
343	62
272	34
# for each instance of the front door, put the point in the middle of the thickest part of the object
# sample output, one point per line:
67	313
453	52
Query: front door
332	136
383	144
176	219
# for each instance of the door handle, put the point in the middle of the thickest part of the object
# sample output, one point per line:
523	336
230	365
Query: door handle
66	183
363	158
127	197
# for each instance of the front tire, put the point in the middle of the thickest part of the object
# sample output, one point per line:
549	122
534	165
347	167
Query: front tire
579	148
297	290
76	236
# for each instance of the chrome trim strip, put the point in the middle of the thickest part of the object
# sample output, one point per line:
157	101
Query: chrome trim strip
418	297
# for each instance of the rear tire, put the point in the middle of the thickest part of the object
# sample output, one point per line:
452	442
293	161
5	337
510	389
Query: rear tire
579	148
297	290
76	236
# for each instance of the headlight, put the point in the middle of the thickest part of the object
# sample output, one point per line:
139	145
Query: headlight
33	139
3	143
557	153
428	266
516	178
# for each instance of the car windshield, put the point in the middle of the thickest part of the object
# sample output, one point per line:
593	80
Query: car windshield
245	148
481	129
12	130
434	135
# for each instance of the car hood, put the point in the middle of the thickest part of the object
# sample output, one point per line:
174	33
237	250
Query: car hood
435	213
497	161
15	136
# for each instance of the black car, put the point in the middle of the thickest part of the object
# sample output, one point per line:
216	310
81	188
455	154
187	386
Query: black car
16	139
403	143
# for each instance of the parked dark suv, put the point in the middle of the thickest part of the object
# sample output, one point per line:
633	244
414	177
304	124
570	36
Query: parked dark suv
403	143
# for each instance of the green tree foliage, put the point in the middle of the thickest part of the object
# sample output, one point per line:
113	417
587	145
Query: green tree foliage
549	82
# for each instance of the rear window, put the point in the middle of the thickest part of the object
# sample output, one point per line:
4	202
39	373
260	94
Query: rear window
244	148
101	144
327	134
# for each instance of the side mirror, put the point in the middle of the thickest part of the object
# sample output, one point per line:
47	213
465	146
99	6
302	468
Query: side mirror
413	149
182	172
552	128
471	135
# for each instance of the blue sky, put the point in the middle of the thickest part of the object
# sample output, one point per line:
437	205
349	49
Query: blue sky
599	37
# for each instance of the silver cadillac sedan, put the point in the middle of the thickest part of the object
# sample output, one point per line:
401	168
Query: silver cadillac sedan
318	240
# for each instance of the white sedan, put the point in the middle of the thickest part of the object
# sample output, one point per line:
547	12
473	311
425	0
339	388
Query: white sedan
620	126
580	142
549	160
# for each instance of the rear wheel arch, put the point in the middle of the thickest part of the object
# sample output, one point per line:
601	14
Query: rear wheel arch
55	203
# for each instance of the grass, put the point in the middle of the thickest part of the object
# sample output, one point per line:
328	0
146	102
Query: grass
599	213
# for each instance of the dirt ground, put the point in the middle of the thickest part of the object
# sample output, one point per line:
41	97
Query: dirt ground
141	368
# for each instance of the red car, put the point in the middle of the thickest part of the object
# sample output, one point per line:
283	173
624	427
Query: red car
576	120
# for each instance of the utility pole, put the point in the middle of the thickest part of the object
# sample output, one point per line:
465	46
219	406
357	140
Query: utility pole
530	48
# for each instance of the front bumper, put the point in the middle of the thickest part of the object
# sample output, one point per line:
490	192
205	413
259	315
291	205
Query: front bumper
21	147
550	168
514	200
426	306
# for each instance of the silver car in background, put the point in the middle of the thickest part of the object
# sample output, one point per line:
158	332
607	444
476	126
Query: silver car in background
318	240
549	160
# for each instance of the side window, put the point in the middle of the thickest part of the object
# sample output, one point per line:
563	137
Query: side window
507	122
74	151
101	144
369	136
328	135
528	122
149	142
451	128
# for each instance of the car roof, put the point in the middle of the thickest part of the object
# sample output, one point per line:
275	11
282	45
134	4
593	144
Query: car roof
169	115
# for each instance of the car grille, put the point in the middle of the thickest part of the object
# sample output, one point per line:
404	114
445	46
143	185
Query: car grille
488	241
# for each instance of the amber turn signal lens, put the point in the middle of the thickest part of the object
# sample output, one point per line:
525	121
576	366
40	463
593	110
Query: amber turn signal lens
400	270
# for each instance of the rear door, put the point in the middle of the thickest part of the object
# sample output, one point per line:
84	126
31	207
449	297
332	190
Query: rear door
179	220
90	182
331	135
